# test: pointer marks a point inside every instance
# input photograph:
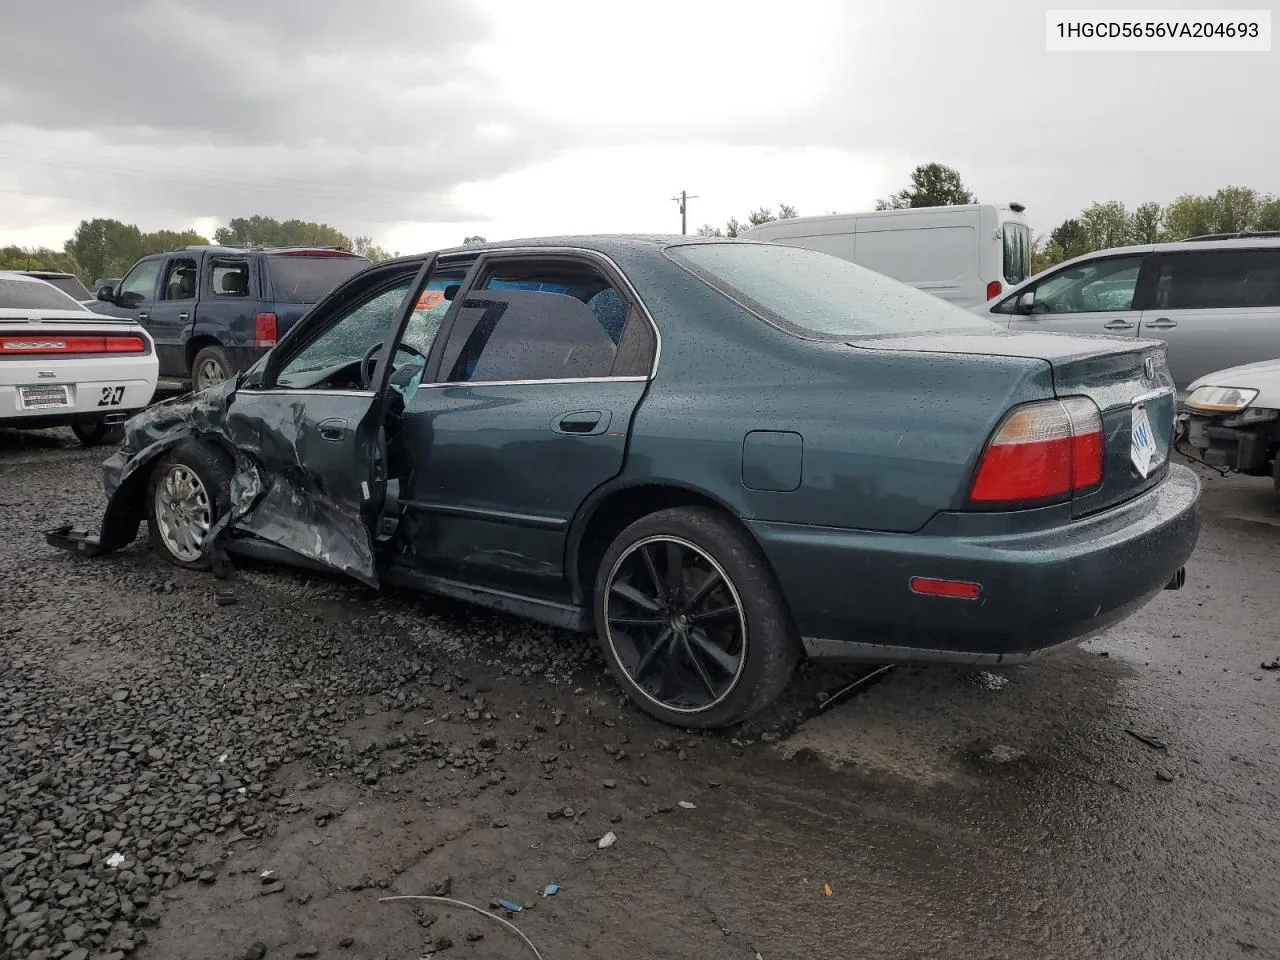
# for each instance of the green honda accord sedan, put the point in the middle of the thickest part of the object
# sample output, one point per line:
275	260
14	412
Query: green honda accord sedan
721	456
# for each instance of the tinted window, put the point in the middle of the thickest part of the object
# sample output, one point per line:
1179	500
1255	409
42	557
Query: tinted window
179	280
1097	286
526	335
1226	280
303	279
229	278
140	285
813	293
71	286
34	295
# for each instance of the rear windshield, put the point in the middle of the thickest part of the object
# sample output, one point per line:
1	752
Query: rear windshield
1017	252
813	293
302	279
71	286
35	295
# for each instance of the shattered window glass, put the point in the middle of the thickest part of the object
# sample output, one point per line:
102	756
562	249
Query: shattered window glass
348	340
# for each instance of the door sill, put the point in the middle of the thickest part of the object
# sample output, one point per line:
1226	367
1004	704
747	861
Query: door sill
564	615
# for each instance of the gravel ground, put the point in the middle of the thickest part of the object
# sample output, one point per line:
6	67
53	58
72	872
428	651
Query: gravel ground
183	776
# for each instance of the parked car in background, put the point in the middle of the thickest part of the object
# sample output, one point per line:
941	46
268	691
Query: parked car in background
212	311
1232	419
964	254
720	455
68	283
61	365
1214	301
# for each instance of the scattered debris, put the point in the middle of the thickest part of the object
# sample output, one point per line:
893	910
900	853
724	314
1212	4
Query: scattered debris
826	888
472	907
116	859
844	691
550	890
686	805
308	951
1002	753
609	784
1273	665
224	599
1155	743
510	906
988	680
1163	775
608	840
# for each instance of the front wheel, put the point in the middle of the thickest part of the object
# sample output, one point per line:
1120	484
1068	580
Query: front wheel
691	619
188	492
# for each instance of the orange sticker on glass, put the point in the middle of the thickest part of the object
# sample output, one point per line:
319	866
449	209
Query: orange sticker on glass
429	299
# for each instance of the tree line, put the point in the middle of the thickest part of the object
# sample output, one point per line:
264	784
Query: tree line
102	248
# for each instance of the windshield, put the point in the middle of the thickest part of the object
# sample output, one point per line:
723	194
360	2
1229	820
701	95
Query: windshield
303	279
813	293
1017	252
35	295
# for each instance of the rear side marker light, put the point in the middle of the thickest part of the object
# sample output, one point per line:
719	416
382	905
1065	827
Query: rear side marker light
1041	453
44	346
993	289
952	589
264	330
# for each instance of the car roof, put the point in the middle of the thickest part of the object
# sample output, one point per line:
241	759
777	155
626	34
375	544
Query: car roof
606	243
26	276
222	248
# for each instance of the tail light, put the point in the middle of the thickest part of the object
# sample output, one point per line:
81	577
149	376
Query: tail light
264	330
993	289
54	345
1041	453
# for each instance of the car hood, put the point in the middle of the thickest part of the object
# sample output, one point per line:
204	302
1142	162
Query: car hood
1263	376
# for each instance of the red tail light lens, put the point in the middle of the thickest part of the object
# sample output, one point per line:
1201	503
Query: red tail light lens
1041	453
264	330
993	289
55	345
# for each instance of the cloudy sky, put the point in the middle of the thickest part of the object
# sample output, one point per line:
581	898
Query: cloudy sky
419	122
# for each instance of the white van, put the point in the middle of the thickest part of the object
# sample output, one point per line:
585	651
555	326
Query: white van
963	254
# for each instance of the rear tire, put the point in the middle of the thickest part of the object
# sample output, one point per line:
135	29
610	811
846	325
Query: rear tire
96	433
705	647
209	368
188	491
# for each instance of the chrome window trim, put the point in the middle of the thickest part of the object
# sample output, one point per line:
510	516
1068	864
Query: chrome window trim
303	391
508	383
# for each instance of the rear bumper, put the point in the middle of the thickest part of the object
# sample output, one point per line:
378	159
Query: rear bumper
849	595
93	388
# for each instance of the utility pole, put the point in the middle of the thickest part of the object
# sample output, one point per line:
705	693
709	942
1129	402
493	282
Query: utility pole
683	199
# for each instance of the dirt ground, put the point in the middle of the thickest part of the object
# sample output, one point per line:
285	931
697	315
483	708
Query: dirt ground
268	771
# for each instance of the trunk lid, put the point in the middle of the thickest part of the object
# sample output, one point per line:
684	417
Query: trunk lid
1128	379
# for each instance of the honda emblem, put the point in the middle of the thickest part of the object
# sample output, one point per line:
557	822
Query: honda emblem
1149	368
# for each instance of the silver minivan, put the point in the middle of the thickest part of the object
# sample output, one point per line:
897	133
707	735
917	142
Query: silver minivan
1215	301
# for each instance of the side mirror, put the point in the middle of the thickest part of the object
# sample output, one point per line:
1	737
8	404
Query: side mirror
1027	301
451	290
106	292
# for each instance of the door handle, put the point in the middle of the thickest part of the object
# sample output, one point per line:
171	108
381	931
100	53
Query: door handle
184	315
334	429
582	422
143	315
1118	325
1161	323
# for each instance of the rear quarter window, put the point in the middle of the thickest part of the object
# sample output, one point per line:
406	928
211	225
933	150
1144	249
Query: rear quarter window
818	296
303	279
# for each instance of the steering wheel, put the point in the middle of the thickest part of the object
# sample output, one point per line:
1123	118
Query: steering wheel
367	364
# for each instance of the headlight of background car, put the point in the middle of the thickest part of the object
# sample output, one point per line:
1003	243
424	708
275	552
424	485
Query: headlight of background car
1220	399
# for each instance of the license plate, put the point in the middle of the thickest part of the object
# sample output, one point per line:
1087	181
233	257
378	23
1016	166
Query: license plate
43	397
1143	450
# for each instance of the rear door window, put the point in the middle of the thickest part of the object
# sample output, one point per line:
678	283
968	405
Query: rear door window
540	321
228	278
1221	280
299	278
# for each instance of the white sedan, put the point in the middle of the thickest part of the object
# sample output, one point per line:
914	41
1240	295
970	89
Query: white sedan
62	365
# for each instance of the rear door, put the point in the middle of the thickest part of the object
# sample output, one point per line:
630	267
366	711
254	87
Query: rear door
535	382
1088	297
1215	309
172	313
317	413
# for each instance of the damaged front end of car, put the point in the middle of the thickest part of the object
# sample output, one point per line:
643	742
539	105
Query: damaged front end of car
272	498
1231	420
